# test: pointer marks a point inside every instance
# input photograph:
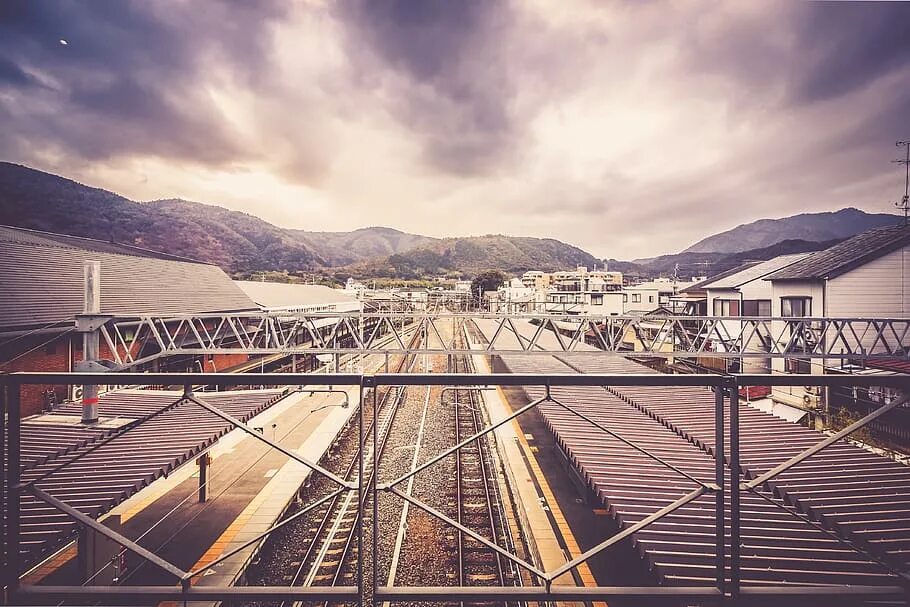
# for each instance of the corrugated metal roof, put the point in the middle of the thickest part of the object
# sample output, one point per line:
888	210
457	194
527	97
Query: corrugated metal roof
854	494
847	255
99	475
41	282
777	548
271	295
755	272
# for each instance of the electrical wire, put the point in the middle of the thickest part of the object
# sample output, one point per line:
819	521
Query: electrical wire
212	500
39	346
33	331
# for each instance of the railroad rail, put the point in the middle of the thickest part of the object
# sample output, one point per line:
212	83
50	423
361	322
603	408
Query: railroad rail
478	502
334	533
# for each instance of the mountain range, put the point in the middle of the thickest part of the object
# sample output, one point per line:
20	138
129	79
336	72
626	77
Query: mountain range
815	227
242	243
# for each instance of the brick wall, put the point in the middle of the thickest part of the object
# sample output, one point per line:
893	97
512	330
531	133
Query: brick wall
31	355
60	355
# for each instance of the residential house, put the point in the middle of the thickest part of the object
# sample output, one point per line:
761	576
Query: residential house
867	275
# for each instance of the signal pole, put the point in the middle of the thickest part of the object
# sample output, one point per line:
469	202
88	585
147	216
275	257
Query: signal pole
904	204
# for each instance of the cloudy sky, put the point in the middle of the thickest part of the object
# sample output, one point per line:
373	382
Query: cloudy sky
629	129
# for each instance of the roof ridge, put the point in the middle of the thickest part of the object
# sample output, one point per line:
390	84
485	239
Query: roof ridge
152	253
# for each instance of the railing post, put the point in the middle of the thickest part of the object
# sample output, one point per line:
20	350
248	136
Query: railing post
360	493
5	560
719	480
13	491
734	490
374	553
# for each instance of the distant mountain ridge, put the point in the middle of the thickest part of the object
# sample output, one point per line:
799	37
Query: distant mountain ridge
42	201
241	243
343	248
708	264
512	254
812	227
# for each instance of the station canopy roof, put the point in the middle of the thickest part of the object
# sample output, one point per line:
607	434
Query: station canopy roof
41	278
285	296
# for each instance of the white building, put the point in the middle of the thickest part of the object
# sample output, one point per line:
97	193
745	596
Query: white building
651	295
299	298
416	298
865	276
744	292
582	292
515	298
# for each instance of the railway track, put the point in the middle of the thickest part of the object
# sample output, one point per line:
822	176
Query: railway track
336	536
475	497
464	485
321	549
416	425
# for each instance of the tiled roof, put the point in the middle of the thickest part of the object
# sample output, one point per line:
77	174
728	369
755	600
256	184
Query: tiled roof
41	281
847	255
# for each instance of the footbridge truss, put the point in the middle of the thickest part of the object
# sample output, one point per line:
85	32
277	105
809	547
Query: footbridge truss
135	340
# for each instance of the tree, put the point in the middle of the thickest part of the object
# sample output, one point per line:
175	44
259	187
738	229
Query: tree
488	280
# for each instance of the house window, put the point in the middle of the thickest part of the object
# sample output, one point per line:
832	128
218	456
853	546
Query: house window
756	307
636	297
625	298
597	300
799	366
726	307
795	307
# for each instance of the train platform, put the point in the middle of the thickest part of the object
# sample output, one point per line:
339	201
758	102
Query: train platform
550	510
249	485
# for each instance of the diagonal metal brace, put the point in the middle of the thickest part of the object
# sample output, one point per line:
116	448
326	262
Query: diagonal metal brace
821	445
692	495
268	531
467	441
643	451
107	532
469	532
259	436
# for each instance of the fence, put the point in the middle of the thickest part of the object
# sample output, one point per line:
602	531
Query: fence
727	586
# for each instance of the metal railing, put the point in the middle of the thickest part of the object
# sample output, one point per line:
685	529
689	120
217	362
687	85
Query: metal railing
727	586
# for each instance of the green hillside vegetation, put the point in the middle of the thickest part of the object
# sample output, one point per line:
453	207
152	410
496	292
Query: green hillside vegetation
468	256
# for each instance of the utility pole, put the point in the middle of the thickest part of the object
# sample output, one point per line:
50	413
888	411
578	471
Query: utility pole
904	204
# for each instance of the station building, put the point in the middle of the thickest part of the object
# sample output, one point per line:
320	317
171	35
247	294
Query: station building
41	281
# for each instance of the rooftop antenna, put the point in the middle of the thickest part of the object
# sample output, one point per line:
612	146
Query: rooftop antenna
904	204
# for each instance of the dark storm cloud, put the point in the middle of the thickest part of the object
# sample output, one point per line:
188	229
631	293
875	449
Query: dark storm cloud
846	45
125	81
457	91
808	51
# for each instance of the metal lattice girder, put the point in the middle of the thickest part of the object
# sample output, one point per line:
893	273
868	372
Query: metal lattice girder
139	339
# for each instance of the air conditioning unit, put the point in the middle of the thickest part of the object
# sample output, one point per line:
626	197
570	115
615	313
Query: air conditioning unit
812	401
814	390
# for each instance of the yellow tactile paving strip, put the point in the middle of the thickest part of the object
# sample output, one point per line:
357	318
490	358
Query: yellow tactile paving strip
217	548
51	565
584	572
